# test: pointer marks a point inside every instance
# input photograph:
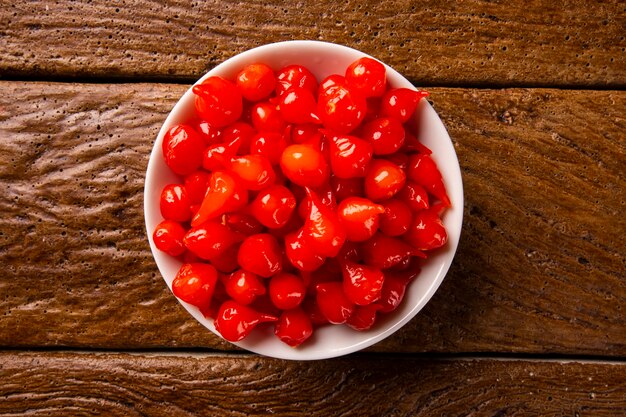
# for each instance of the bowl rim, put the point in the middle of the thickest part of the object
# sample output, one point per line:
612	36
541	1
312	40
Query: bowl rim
453	217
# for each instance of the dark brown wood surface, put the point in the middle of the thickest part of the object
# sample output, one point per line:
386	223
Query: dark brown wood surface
533	96
544	186
185	385
540	43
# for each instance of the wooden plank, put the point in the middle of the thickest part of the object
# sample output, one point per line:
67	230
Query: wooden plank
540	267
542	43
183	385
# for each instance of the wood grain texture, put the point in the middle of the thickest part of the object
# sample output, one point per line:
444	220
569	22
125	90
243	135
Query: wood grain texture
434	42
540	267
167	385
74	163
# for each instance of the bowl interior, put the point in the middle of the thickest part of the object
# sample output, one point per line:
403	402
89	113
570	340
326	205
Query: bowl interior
322	59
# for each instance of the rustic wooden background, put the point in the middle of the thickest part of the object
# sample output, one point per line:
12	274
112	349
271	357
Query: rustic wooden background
529	321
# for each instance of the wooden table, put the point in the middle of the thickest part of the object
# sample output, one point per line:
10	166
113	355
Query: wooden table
529	321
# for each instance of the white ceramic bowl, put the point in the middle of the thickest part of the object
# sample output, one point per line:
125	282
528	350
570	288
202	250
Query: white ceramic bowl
330	341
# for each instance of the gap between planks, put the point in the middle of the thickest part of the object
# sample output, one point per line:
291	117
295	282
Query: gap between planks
461	356
191	80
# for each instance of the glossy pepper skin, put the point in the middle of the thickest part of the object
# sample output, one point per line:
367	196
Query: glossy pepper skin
349	156
412	144
294	327
225	194
304	165
401	103
396	219
383	251
394	288
333	303
243	223
297	105
226	262
415	196
209	133
286	290
383	180
347	187
240	133
168	237
332	79
299	252
254	172
340	109
359	217
217	156
235	321
363	317
267	118
261	255
362	284
386	135
306	133
273	206
322	227
182	149
295	76
326	197
367	76
194	283
243	286
256	81
269	144
211	239
175	203
196	185
310	307
218	101
427	231
424	171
